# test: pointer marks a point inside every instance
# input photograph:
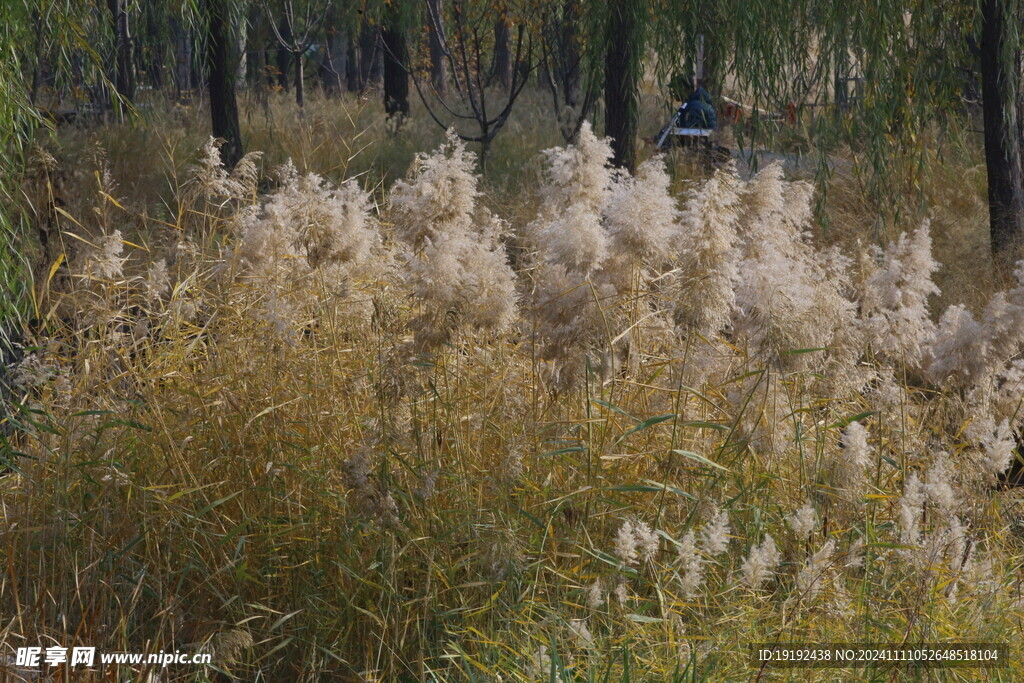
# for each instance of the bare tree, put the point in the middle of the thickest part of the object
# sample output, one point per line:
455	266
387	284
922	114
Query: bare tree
297	33
564	69
467	44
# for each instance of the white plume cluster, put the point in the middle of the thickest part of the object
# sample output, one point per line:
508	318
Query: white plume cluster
640	217
894	303
996	442
821	387
106	261
715	534
972	351
573	198
811	578
456	266
786	300
305	227
761	563
804	521
635	541
573	296
306	224
615	261
714	540
211	181
691	566
703	284
944	534
855	461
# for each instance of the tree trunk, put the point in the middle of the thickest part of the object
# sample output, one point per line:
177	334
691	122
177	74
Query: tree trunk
624	49
377	63
300	80
502	55
396	76
1000	56
258	70
182	56
369	55
571	51
221	71
284	55
243	57
124	77
715	57
435	27
151	57
352	68
256	59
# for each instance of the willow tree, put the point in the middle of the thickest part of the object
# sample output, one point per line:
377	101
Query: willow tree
124	63
912	58
17	120
57	37
625	45
221	18
1001	22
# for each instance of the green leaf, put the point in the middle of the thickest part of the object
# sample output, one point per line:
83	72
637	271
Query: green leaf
609	406
215	504
133	424
635	487
641	619
796	352
540	525
700	458
671	489
560	451
613	561
645	424
847	420
705	425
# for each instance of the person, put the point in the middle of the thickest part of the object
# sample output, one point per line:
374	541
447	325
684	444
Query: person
698	111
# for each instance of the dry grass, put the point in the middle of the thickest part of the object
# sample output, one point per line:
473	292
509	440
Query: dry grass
327	505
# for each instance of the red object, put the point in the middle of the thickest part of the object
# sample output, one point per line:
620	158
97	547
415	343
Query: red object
733	112
791	113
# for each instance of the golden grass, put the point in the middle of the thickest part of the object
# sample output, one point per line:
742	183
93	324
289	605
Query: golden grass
328	507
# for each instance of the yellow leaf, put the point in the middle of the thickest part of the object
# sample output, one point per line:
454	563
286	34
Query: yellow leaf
112	200
132	244
53	269
67	215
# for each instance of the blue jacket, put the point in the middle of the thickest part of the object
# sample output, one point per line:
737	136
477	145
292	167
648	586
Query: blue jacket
698	111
